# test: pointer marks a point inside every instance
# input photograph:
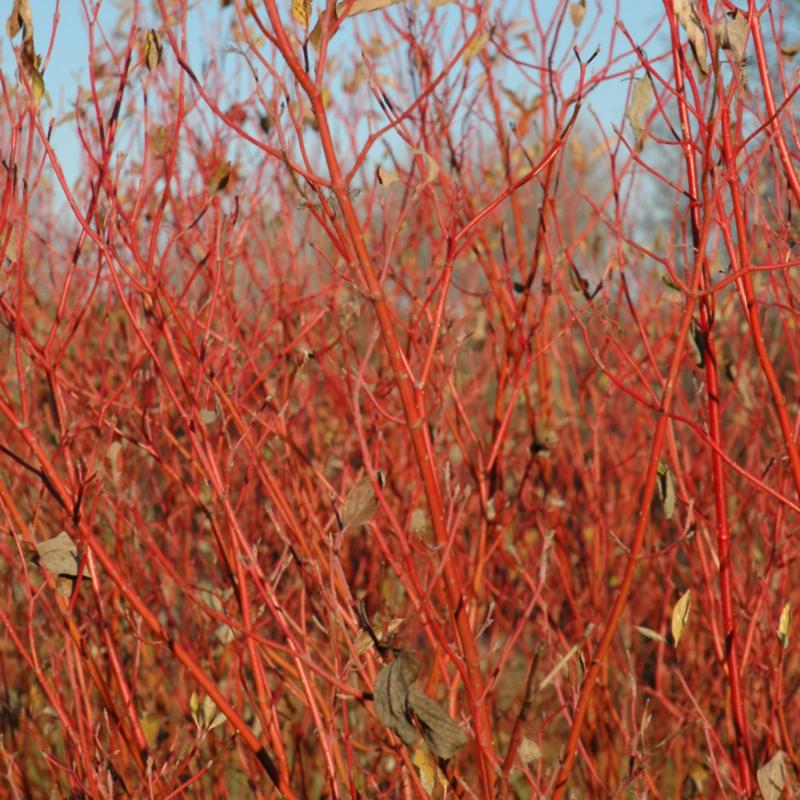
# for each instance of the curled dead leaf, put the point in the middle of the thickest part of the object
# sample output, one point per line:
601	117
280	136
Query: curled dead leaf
442	733
391	696
20	19
386	177
731	34
409	712
687	16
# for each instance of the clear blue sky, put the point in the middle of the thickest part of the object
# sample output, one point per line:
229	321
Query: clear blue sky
67	69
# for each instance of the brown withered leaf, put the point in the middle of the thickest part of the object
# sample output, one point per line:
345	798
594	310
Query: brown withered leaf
399	705
641	98
361	503
442	733
220	178
771	777
391	696
576	12
19	18
687	16
790	51
731	34
358	7
386	177
59	556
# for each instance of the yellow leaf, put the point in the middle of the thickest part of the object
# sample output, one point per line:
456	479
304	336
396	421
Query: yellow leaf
151	727
429	775
475	46
785	626
301	11
680	615
152	50
649	633
220	178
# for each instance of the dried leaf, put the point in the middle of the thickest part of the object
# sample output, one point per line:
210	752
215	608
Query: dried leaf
576	12
153	50
442	733
429	775
666	489
220	178
383	632
114	461
361	503
785	626
391	696
695	781
419	521
697	340
205	713
37	85
359	7
433	169
790	51
212	716
475	46
680	615
641	98
649	633
207	415
399	704
59	556
20	18
151	728
364	6
301	11
772	777
528	751
687	16
731	34
225	634
387	177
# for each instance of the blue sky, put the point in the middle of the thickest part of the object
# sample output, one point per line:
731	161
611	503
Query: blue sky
67	67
